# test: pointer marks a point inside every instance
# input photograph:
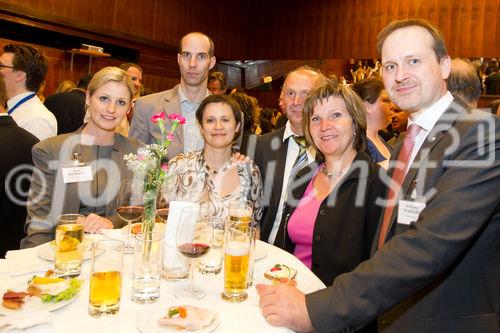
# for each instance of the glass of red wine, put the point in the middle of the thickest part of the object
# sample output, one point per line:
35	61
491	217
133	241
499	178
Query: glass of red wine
193	239
130	207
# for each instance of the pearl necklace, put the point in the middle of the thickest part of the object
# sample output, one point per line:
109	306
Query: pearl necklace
331	176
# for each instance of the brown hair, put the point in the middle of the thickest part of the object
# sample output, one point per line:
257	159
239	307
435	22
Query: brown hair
218	76
31	61
437	35
354	107
368	89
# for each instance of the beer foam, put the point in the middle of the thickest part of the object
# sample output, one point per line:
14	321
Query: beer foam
237	248
240	212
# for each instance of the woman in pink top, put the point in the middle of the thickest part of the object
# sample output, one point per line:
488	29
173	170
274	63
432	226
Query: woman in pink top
331	219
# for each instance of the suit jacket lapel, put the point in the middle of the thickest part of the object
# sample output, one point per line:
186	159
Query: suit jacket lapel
419	163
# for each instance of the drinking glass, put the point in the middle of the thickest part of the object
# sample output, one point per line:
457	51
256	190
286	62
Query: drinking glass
240	211
193	240
237	251
147	267
69	245
106	277
211	263
129	207
163	203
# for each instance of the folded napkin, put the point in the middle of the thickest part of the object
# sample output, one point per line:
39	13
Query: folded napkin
20	262
25	319
116	234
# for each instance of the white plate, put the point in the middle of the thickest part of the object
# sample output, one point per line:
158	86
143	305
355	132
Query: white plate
146	321
260	251
47	251
158	227
33	302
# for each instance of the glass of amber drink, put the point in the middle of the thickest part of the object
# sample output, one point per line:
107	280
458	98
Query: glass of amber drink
237	248
106	277
240	211
69	245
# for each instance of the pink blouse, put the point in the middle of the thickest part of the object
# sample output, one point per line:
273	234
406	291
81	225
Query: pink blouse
301	224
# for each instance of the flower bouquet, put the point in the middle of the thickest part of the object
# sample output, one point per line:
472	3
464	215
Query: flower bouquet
150	166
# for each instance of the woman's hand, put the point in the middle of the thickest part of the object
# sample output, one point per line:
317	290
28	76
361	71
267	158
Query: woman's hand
94	223
239	158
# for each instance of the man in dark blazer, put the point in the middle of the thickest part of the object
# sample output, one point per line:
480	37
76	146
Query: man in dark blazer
277	151
15	170
439	270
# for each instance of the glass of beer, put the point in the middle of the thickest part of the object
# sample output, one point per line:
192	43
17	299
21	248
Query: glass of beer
106	277
237	247
69	245
240	211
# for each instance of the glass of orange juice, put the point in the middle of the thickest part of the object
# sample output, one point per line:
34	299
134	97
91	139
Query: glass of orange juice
106	277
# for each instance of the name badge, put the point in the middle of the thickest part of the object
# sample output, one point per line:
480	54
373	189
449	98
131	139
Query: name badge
409	209
77	174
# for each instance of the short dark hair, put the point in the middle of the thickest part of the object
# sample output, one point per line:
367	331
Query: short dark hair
126	65
83	83
219	76
211	49
437	35
3	94
31	61
247	106
368	89
353	104
464	82
235	107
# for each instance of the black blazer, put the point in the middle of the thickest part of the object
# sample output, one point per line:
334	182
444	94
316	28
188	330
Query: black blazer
344	227
441	274
15	151
270	157
68	108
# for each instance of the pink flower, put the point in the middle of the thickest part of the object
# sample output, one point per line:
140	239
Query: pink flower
170	137
157	117
164	167
175	116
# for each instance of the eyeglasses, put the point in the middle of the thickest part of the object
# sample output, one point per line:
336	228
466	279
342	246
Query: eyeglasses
6	66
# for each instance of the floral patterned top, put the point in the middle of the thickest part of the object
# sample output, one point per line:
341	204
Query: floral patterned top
191	182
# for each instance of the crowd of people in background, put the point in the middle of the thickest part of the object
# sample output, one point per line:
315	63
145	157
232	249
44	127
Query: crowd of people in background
317	169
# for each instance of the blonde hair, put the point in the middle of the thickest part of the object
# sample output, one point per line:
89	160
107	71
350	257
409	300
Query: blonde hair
110	74
66	85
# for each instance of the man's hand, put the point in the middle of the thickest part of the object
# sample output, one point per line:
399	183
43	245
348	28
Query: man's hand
283	305
94	223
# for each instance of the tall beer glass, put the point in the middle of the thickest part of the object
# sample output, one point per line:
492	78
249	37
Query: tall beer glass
237	245
69	245
106	277
240	211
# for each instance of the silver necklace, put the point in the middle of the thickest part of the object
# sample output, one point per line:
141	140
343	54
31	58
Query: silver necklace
221	170
331	176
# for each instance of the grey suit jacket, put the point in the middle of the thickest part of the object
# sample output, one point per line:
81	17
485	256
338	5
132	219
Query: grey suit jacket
441	274
144	130
49	196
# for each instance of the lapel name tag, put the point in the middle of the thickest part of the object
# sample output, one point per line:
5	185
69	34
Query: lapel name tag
409	210
77	174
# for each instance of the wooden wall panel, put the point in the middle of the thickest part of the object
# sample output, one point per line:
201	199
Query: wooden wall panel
299	29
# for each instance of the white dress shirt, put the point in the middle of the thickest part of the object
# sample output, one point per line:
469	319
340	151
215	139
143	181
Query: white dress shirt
33	116
426	119
291	155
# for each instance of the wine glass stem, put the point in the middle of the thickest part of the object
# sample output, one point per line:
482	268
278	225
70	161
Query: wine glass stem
190	288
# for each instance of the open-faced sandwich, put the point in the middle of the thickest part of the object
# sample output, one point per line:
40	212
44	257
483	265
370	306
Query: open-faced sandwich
48	288
187	317
281	273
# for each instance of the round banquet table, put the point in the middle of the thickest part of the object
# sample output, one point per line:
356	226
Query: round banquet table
234	317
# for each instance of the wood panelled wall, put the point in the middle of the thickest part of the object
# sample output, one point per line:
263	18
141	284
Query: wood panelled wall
324	29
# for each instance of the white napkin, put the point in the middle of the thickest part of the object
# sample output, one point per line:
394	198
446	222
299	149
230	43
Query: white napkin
25	319
116	234
20	262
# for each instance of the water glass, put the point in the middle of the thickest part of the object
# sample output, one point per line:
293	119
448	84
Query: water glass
237	251
106	277
211	263
69	245
146	273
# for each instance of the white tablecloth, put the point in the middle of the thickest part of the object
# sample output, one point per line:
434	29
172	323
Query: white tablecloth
234	317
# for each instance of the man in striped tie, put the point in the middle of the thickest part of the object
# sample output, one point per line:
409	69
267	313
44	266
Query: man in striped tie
282	153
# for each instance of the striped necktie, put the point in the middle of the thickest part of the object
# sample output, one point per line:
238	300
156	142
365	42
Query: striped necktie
301	159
